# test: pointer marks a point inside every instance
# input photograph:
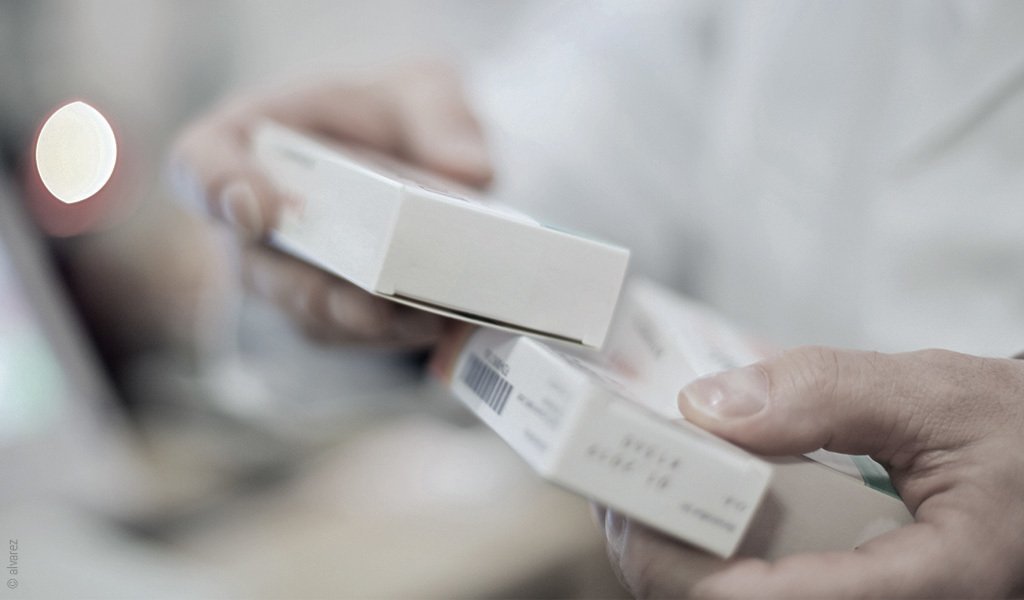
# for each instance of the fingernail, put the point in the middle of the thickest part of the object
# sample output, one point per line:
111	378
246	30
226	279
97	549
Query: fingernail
242	209
730	395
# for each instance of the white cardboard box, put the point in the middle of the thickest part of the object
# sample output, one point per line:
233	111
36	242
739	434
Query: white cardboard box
576	430
578	416
402	234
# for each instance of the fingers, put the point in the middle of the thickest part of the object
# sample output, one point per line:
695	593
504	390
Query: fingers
439	130
357	114
921	560
212	167
650	564
330	309
212	171
419	114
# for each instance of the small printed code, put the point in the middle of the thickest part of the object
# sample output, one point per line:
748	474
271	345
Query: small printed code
486	383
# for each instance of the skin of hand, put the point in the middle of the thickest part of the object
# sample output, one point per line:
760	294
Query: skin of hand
417	113
950	429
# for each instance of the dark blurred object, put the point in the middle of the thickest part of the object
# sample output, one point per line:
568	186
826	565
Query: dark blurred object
8	155
17	91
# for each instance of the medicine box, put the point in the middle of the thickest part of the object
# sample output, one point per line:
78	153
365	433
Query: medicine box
406	235
577	430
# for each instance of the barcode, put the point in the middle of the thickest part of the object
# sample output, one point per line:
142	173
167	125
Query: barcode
486	383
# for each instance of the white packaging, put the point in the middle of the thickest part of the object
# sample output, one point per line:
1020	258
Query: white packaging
402	234
573	427
569	413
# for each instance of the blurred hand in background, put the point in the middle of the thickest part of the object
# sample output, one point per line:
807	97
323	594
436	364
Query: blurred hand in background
417	113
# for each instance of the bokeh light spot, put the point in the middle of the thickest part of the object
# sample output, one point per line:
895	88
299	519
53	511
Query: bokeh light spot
75	152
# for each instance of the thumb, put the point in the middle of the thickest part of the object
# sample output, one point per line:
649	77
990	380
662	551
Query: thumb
806	399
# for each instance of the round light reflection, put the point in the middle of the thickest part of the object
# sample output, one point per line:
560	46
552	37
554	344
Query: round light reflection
75	152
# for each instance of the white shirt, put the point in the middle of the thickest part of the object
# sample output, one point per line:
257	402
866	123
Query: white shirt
843	173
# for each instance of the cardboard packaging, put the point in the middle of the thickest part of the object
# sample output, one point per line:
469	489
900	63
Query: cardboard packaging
577	430
405	235
580	417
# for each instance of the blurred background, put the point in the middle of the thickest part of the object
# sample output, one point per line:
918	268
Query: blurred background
165	435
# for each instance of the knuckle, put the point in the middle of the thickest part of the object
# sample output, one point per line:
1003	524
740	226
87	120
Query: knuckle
815	369
944	376
972	388
938	358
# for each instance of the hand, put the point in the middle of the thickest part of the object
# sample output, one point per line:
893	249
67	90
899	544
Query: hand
950	429
418	114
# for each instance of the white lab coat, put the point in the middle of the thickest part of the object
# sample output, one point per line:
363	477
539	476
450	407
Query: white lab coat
843	173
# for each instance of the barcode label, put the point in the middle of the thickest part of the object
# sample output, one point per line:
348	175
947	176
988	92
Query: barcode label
486	383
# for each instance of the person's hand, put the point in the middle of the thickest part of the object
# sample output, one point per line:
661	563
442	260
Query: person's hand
950	429
418	114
